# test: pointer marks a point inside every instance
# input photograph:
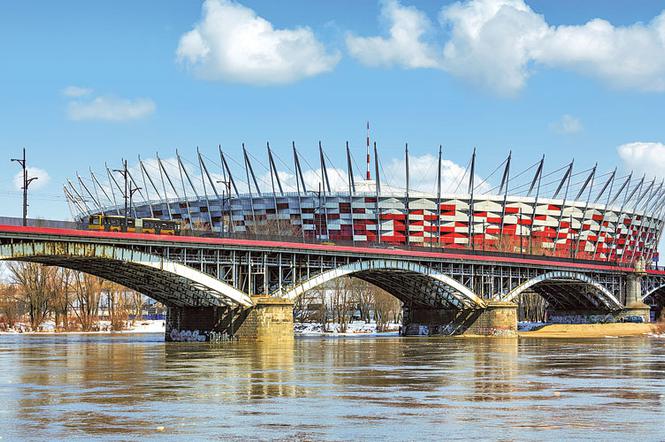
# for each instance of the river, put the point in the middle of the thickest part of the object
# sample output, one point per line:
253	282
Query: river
136	386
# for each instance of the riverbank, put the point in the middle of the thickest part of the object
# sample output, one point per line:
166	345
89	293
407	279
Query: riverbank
145	326
592	330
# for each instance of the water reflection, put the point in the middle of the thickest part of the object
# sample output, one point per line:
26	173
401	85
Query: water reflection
399	388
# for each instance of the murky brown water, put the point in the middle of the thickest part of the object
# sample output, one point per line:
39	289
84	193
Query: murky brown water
125	387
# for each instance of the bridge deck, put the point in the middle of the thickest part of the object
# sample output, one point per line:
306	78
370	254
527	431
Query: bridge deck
45	233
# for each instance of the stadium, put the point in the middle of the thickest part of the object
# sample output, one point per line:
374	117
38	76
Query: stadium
566	212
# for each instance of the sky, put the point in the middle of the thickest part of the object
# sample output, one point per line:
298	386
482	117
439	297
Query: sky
88	83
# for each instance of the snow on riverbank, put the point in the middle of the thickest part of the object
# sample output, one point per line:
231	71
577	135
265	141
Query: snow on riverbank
144	326
355	328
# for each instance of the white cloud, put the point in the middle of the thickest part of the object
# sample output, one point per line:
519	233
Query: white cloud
42	176
495	43
76	91
423	174
567	125
644	157
404	47
110	109
234	44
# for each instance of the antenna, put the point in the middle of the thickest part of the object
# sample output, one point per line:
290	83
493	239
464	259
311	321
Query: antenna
368	176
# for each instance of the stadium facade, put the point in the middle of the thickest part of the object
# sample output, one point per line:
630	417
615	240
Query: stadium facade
565	212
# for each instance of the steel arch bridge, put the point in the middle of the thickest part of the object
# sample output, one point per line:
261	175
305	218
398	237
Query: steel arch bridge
223	272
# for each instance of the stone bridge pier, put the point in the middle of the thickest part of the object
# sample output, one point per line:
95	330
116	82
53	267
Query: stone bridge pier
635	305
496	318
268	319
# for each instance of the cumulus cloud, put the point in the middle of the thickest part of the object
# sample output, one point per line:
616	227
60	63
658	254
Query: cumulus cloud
644	157
403	47
110	109
232	43
567	125
42	176
76	91
496	43
423	175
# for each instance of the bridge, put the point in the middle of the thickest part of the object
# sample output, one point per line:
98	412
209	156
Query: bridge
215	288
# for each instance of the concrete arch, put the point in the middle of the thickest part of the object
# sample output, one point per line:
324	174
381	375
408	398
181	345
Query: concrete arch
164	280
605	296
459	291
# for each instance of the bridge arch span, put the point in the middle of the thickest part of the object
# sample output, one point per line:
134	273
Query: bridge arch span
166	281
567	290
406	280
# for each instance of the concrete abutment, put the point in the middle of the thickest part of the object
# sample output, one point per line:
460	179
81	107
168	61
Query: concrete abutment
497	319
269	319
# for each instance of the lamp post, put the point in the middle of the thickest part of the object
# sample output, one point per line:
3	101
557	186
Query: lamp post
227	187
131	194
26	182
125	195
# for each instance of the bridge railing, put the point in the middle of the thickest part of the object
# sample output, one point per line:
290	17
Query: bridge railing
38	222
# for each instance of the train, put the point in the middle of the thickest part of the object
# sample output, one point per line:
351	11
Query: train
116	223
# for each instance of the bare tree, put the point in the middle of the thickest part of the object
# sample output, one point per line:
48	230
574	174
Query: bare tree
119	305
11	305
532	307
387	308
341	301
87	293
33	282
363	298
309	307
59	286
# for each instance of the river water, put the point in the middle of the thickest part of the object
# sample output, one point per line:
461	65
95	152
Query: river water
136	386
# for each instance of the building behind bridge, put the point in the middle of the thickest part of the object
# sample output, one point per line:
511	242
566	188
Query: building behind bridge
566	212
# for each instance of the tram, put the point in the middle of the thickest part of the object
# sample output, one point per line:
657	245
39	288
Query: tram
116	223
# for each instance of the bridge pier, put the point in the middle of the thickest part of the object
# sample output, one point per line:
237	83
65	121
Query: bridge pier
634	304
497	319
269	319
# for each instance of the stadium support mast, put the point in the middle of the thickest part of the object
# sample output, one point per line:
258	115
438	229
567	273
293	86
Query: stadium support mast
273	174
352	190
504	187
325	185
162	172
377	191
565	180
406	199
627	197
438	198
299	180
248	169
324	169
589	182
472	172
204	172
92	197
368	175
349	170
273	171
95	180
184	189
608	184
649	207
227	172
296	162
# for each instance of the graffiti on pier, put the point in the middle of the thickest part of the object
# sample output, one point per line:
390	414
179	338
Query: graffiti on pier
198	336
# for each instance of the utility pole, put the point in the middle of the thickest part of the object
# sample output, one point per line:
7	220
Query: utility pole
227	188
125	195
26	183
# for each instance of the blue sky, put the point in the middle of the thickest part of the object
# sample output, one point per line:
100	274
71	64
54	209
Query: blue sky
89	82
